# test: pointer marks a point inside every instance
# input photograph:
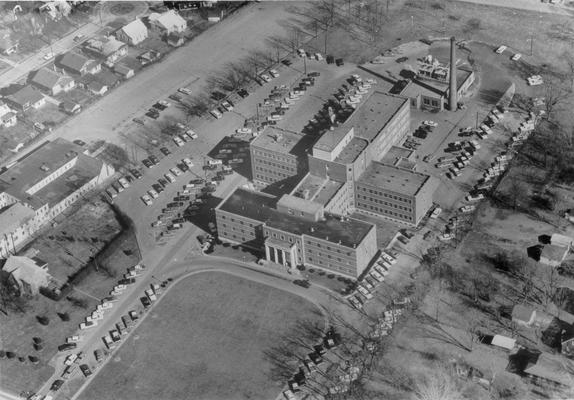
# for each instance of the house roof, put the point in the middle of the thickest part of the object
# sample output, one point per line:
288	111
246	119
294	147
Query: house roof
105	46
554	253
134	28
96	85
25	95
168	19
394	179
122	69
522	313
503	341
26	269
561	240
74	61
551	368
48	78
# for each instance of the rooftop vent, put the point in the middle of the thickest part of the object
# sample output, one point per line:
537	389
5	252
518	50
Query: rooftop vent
45	168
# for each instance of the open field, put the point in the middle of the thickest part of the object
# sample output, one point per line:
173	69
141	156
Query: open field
205	340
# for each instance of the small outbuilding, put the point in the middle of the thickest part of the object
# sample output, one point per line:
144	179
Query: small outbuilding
28	274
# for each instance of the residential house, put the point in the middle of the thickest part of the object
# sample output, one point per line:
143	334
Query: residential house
567	343
167	22
51	82
56	9
149	56
7	116
214	15
548	370
97	87
78	64
552	255
527	317
523	315
109	49
124	71
7	44
561	240
133	33
26	98
175	39
28	274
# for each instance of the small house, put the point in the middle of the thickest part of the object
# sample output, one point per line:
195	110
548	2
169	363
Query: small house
7	116
78	64
523	315
167	22
96	87
51	82
8	45
26	98
133	33
28	274
175	39
124	71
553	255
548	370
70	108
109	49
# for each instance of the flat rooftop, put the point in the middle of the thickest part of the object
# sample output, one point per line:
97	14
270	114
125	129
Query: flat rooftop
318	189
352	150
395	153
462	75
36	166
393	178
348	233
283	141
13	216
85	170
367	120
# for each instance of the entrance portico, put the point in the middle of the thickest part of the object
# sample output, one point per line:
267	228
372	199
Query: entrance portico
280	252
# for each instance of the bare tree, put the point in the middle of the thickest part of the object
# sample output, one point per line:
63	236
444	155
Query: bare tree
516	192
568	57
556	95
439	385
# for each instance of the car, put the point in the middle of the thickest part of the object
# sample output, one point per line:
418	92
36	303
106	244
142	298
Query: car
175	97
184	90
191	134
467	209
215	112
79	142
355	302
136	173
78	38
501	49
188	162
159	106
86	370
362	290
430	123
138	121
163	182
198	181
378	277
339	62
227	105
153	194
176	171
152	115
48	56
164	103
265	77
178	141
56	385
165	151
145	302
40	127
170	177
67	346
446	236
274	73
286	62
124	182
289	395
243	93
402	59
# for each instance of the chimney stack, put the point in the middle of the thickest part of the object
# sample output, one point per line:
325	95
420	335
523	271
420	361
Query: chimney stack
452	95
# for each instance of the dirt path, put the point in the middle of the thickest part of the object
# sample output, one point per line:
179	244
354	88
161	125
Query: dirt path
531	5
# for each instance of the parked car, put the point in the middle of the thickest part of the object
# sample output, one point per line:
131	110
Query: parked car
184	90
216	113
165	151
227	105
86	370
146	198
501	49
56	385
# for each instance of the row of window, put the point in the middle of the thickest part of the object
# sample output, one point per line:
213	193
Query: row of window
430	102
330	266
387	195
241	222
279	166
274	156
386	203
266	178
385	211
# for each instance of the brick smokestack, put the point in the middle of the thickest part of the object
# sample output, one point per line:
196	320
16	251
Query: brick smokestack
452	95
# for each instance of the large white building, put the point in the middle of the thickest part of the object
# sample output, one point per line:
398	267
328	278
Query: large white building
42	185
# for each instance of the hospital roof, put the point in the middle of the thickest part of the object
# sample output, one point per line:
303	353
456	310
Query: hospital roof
348	233
394	179
367	120
283	141
13	216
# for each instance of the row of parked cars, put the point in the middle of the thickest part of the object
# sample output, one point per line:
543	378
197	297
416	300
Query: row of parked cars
169	177
375	276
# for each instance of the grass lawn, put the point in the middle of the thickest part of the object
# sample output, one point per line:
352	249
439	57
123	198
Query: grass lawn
203	343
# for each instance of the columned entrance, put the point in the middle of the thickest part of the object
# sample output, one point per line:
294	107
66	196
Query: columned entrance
281	253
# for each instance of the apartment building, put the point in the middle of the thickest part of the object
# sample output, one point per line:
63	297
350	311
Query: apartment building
41	186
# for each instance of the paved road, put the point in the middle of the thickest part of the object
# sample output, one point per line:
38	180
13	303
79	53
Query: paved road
530	5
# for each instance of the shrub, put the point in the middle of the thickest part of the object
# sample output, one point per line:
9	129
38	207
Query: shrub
2	354
311	270
64	316
331	276
42	319
38	347
37	340
22	359
33	359
10	355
